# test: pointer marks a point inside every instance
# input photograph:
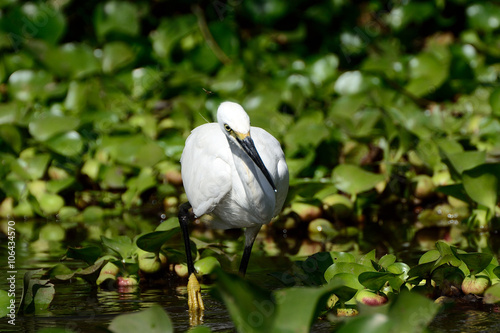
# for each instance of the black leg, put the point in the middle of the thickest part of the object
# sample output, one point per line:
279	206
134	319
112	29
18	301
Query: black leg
245	259
185	216
250	235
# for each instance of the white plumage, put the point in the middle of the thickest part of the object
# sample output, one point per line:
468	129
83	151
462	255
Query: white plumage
221	179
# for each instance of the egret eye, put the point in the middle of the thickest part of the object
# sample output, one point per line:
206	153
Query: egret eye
226	126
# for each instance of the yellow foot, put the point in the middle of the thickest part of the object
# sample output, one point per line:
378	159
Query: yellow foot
195	302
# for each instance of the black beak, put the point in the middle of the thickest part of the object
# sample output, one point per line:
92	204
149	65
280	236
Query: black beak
249	148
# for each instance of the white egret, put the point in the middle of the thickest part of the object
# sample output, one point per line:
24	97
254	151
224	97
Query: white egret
236	173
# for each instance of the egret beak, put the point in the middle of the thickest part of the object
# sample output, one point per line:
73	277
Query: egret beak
248	146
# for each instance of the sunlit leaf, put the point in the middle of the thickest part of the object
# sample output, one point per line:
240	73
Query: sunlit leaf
48	126
353	179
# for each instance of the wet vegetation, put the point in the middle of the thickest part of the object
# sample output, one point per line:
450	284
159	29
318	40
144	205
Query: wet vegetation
388	113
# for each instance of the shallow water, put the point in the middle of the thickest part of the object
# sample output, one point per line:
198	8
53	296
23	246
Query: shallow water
80	307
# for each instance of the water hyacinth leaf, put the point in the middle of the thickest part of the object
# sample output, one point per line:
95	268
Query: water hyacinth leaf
466	160
492	294
345	267
73	60
251	308
454	190
482	185
351	83
429	256
170	223
50	203
89	254
427	73
116	17
374	323
39	20
5	302
324	69
153	241
32	298
122	245
387	260
399	268
151	320
26	85
135	186
483	16
475	261
169	32
368	259
31	167
11	135
304	304
375	280
116	55
402	312
135	150
353	180
419	272
48	126
447	255
66	144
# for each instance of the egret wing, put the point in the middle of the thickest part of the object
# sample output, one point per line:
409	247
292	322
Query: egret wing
205	168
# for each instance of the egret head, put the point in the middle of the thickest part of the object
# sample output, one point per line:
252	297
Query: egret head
235	123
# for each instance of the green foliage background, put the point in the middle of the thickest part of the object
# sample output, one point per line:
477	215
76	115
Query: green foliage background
97	98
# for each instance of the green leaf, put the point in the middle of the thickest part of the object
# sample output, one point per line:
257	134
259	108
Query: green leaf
37	293
116	55
427	73
151	320
374	323
492	294
466	160
153	241
169	32
135	150
476	262
375	280
483	16
11	135
304	304
48	126
482	185
67	144
116	17
411	312
39	20
73	60
122	245
250	307
89	254
345	267
5	303
27	85
353	179
387	260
